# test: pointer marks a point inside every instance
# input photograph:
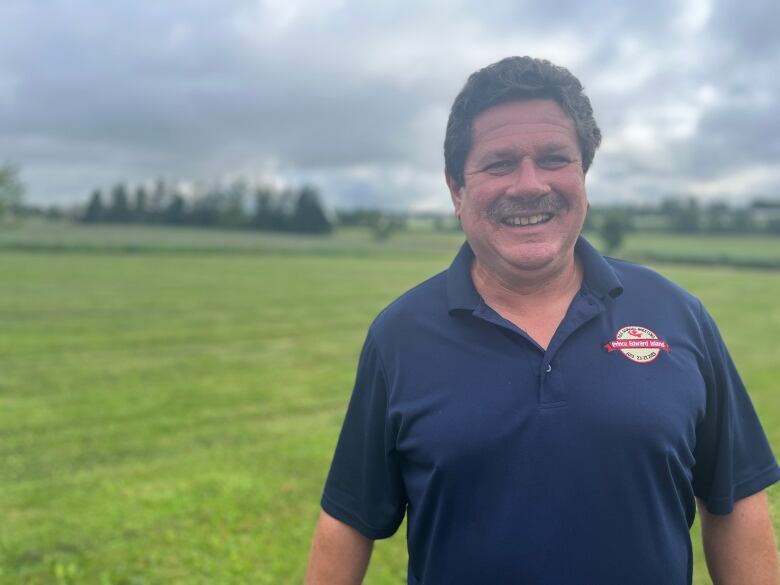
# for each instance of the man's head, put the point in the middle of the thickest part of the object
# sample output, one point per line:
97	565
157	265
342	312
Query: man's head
520	137
517	79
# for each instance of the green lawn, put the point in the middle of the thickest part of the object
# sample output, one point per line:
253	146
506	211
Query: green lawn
734	249
169	418
63	236
58	237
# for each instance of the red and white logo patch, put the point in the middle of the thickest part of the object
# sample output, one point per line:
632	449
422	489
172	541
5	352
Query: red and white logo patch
638	344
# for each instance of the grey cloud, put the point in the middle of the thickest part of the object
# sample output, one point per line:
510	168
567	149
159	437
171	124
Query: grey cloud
750	28
91	93
734	136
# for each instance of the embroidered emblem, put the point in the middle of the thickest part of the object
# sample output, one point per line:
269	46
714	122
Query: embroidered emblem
638	344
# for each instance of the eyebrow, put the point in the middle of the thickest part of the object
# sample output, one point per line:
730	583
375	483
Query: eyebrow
549	148
495	155
555	147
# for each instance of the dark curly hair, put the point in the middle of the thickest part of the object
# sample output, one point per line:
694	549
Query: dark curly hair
517	78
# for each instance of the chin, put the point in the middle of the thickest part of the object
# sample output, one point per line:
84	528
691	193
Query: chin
536	259
531	264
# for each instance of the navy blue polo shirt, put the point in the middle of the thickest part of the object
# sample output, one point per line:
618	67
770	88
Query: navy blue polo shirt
578	464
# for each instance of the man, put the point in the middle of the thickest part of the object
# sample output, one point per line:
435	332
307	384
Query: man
542	414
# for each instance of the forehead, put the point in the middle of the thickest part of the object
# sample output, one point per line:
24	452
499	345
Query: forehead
537	120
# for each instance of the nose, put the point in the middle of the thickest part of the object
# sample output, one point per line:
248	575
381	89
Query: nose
526	180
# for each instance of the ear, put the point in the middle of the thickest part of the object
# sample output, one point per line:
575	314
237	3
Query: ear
456	193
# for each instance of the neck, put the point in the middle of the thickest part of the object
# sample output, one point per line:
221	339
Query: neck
520	291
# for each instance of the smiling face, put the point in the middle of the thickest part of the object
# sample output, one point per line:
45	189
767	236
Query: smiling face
523	201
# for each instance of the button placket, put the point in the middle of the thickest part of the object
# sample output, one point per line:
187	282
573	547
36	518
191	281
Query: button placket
553	389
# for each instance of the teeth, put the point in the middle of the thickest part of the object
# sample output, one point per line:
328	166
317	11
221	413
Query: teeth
528	220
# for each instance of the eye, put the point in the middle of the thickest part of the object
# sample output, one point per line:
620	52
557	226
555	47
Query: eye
500	167
553	161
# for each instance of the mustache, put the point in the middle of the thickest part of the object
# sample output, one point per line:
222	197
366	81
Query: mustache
509	206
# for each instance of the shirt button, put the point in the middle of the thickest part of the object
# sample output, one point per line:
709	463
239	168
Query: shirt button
549	368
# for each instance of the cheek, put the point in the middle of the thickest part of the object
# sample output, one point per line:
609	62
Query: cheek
571	185
575	196
469	203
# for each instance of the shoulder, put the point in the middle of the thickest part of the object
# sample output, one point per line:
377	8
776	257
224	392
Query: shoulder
426	301
654	301
640	282
411	314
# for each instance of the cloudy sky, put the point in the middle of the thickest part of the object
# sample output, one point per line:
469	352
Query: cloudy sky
353	96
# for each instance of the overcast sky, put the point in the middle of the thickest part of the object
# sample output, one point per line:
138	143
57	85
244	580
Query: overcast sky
353	95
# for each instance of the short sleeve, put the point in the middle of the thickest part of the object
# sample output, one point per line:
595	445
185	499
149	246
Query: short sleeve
733	456
364	488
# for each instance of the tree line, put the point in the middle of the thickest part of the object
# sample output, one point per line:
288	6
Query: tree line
239	206
300	210
11	189
682	215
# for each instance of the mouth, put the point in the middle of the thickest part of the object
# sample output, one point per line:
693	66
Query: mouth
526	220
521	212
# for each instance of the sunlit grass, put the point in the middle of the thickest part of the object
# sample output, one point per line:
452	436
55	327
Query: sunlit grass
170	419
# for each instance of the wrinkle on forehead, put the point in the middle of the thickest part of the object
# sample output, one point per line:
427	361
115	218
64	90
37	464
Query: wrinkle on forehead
528	116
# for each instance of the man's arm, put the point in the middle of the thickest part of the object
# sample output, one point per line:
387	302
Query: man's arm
740	547
339	554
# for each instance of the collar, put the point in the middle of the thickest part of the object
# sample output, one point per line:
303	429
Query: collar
599	276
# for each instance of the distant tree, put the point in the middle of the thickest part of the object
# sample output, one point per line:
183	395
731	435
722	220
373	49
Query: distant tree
158	202
765	204
283	211
297	210
141	204
446	223
206	209
383	228
263	217
232	211
175	212
773	226
120	208
309	216
95	211
55	213
685	218
387	225
741	221
717	217
11	189
670	205
612	230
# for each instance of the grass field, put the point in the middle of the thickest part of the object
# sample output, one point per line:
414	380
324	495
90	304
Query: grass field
67	237
170	417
